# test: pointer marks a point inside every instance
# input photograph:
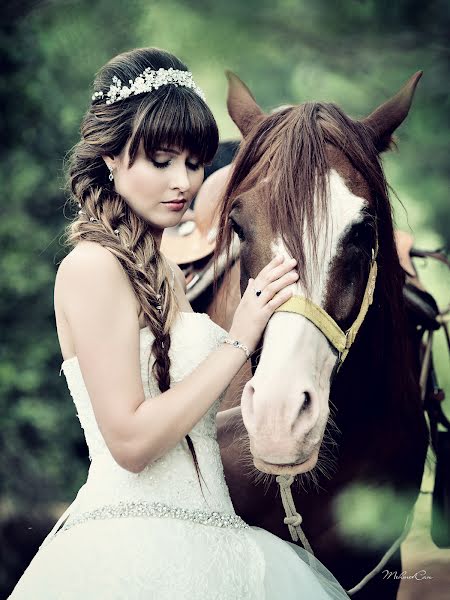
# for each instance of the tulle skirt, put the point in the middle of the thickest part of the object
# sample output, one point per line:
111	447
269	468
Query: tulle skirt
170	559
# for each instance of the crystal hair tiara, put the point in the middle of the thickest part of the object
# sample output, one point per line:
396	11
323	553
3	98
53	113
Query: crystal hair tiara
146	82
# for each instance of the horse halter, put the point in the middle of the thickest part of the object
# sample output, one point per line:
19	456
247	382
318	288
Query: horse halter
339	339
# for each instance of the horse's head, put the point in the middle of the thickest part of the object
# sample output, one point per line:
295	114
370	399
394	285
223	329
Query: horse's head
307	183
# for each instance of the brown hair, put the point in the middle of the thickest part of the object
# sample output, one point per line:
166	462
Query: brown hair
169	116
289	147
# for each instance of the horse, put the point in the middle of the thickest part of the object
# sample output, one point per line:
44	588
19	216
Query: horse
339	415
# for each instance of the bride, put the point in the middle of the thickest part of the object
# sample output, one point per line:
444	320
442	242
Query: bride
154	519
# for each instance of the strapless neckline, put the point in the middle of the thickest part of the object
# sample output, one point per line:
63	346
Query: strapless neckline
146	328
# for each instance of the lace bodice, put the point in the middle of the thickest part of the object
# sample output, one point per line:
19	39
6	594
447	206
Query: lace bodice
172	479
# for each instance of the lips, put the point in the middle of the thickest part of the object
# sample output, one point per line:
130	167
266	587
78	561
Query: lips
175	205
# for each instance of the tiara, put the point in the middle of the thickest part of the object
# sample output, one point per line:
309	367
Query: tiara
146	82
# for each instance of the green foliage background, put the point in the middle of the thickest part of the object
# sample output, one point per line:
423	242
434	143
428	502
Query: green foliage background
354	53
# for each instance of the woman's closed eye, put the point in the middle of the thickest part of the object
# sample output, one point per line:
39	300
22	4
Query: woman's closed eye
162	160
194	166
164	164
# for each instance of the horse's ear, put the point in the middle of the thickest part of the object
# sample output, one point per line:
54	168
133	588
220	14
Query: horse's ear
241	104
387	117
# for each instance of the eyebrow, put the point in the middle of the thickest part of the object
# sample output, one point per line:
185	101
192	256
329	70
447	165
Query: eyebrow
175	151
171	150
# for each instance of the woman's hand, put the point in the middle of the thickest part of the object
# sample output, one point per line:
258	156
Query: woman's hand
253	312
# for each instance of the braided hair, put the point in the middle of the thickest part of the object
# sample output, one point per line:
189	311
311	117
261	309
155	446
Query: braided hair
169	116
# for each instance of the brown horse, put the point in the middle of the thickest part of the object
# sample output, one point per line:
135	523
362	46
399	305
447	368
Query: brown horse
307	182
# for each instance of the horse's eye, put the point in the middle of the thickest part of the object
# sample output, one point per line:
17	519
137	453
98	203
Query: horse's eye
361	236
238	229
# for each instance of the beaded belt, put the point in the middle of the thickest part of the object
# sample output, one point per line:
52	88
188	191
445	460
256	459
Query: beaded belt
157	509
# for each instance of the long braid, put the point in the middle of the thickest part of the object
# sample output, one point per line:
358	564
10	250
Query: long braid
105	218
170	116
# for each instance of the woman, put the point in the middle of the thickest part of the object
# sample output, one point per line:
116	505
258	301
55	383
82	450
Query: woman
154	519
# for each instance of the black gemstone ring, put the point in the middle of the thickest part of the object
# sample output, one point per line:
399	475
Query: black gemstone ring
258	292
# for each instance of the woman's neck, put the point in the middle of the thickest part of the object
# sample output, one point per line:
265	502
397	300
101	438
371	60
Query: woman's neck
157	235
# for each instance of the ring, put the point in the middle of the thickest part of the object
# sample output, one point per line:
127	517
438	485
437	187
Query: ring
258	292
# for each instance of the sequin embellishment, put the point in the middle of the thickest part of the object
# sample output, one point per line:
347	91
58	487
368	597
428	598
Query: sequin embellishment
158	509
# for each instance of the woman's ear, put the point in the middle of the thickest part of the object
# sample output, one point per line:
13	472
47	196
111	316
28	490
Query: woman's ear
110	161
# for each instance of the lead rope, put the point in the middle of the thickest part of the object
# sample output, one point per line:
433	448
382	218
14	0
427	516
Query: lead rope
293	520
395	546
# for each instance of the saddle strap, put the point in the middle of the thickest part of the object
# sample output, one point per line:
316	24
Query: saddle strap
390	552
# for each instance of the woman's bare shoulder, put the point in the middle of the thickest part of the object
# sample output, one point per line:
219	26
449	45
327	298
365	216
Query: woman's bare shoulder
89	259
89	266
86	251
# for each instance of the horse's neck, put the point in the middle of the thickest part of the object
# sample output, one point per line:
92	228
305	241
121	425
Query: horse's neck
379	412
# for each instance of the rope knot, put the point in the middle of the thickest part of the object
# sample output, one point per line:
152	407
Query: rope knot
295	520
285	481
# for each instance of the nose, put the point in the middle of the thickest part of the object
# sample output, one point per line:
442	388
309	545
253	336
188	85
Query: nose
180	178
270	409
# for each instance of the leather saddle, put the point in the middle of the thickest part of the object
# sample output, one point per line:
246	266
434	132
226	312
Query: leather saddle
191	244
420	304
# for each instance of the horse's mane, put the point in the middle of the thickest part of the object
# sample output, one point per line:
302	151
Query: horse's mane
288	150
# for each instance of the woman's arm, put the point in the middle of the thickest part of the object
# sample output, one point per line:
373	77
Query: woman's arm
100	307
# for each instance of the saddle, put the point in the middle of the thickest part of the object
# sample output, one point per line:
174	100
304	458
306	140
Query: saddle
191	244
420	304
424	313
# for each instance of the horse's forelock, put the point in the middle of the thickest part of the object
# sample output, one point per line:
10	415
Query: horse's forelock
289	150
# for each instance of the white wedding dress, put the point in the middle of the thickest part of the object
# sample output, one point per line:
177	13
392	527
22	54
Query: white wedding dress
154	535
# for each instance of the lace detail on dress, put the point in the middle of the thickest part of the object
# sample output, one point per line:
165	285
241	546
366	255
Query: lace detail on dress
172	479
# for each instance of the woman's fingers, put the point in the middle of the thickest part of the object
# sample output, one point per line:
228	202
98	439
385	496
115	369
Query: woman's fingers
273	288
271	277
274	263
251	316
280	298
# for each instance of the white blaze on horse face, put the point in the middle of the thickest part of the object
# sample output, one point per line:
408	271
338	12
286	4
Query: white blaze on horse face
345	208
285	404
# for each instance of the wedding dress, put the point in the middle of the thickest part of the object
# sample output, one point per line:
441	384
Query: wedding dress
158	535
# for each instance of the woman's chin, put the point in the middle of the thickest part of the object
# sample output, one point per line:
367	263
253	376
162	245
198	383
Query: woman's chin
167	221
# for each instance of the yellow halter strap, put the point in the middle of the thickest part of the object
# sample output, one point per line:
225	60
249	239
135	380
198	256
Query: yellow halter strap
339	339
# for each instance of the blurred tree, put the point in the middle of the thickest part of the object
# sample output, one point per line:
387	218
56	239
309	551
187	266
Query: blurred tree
45	87
355	53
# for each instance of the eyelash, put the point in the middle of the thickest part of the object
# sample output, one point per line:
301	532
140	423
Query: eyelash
238	229
164	165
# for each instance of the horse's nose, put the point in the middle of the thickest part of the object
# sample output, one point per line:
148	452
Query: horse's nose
264	405
247	398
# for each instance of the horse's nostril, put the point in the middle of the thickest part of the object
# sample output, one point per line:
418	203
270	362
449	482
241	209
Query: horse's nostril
306	402
247	398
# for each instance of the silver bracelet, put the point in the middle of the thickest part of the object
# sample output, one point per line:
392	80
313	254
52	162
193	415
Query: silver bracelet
237	344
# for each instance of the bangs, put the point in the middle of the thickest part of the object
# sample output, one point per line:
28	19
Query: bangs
176	117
